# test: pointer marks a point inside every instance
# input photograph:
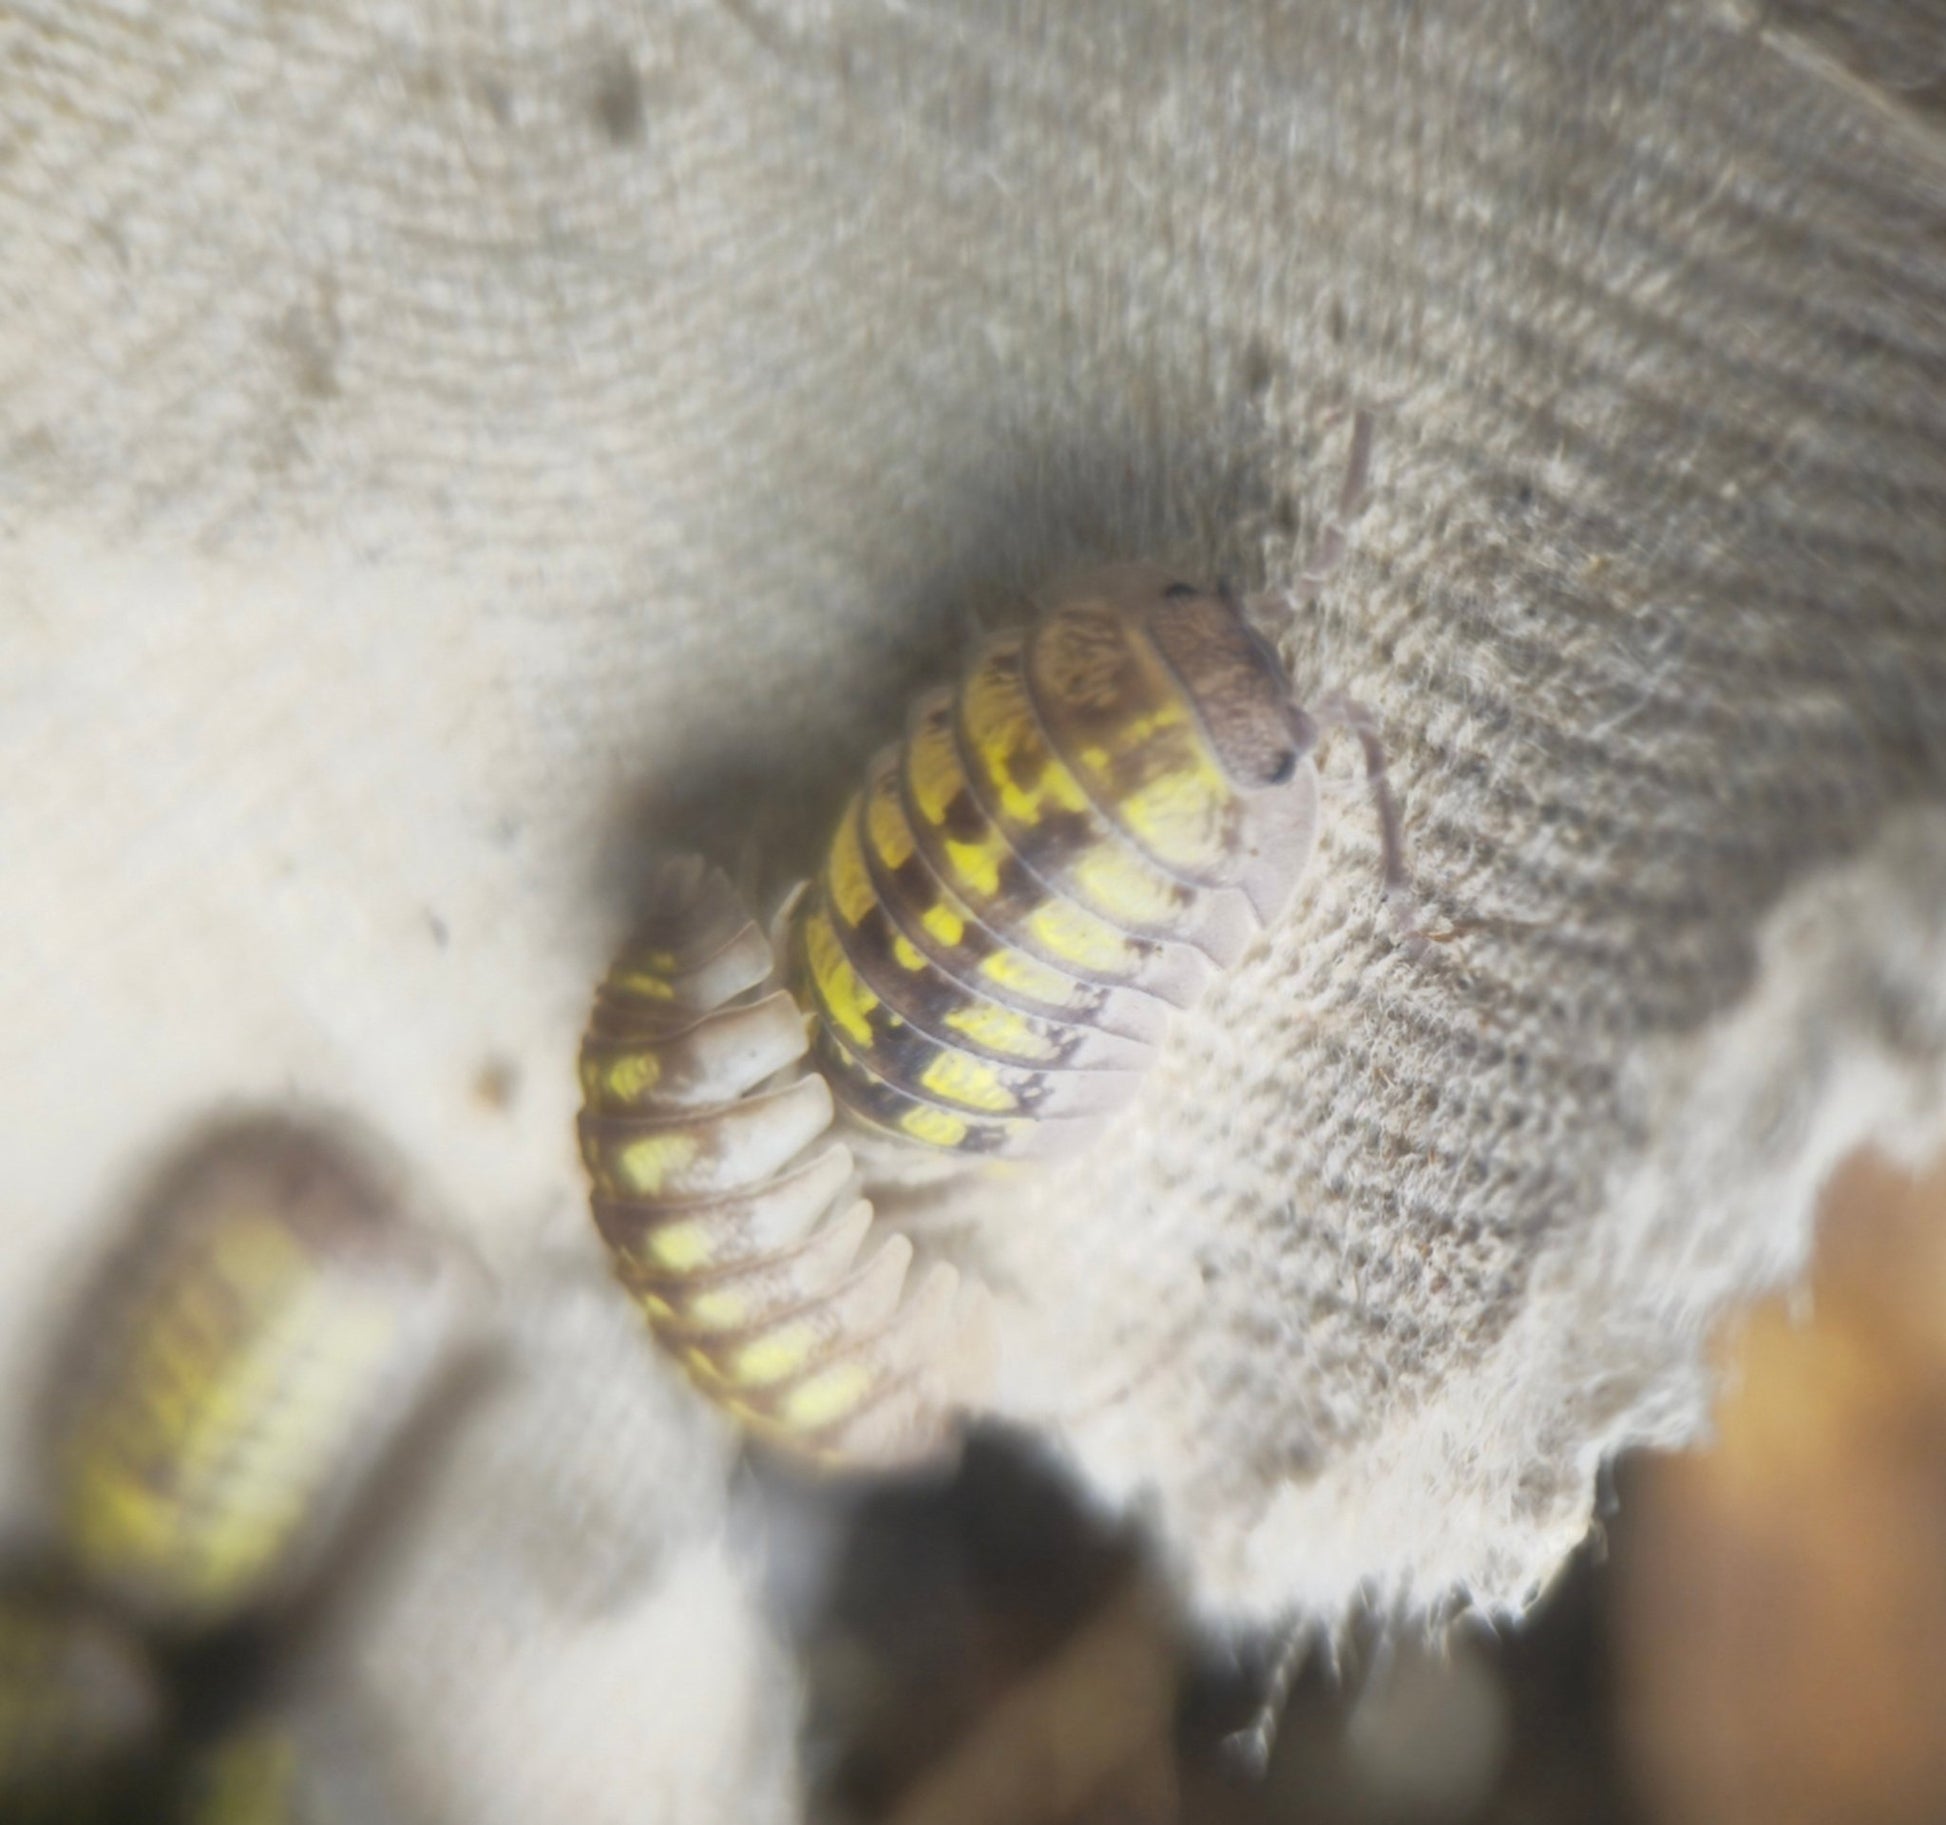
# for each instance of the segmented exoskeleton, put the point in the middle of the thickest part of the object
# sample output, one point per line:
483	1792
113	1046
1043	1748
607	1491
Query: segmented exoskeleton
242	1363
728	1212
1060	851
229	1382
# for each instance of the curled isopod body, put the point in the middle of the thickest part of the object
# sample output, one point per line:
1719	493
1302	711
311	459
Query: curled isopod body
236	1372
728	1211
1060	852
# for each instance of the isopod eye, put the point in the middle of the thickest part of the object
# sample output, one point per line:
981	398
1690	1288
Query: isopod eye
1176	591
1282	768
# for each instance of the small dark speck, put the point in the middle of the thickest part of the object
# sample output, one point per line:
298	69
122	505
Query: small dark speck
495	1085
115	241
36	444
618	108
425	82
1259	366
498	100
1337	325
437	926
1284	515
310	338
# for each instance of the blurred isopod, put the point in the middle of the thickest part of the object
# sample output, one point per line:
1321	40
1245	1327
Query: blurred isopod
236	1371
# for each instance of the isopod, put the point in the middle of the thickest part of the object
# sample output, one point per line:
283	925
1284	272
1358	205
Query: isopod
1062	850
726	1208
236	1373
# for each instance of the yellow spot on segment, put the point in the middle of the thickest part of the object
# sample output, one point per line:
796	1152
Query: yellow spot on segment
645	1166
1180	816
944	925
718	1311
680	1248
642	982
1116	885
934	1126
1029	976
1003	1030
826	1396
1023	809
628	1079
968	1081
773	1357
846	878
977	864
1076	936
846	998
906	954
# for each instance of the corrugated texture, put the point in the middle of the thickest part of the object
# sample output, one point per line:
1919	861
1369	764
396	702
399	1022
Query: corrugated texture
445	445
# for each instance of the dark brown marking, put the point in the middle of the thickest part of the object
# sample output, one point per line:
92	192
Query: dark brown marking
964	821
496	1084
617	102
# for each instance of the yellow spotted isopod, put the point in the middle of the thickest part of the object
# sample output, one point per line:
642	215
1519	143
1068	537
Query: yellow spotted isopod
1061	851
238	1371
229	1386
728	1211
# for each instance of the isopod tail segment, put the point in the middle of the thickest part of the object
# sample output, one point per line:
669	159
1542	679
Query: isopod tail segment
727	1209
1060	852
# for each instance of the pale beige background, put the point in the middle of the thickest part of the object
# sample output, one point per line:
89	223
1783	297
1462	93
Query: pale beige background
445	446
